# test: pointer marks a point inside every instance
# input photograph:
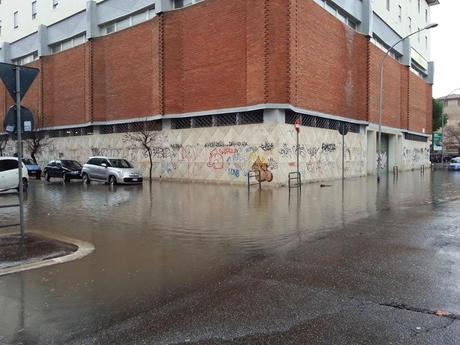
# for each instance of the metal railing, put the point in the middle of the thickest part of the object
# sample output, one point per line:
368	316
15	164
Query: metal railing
254	174
297	177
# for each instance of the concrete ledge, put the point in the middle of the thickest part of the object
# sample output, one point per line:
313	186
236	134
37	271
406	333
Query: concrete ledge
84	249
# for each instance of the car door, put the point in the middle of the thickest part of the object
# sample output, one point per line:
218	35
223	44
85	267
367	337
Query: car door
52	169
96	170
104	169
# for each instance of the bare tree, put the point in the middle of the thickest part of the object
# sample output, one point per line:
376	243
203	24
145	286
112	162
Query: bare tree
35	143
4	138
146	140
452	136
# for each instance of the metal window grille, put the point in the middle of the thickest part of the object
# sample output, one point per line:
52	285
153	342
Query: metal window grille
54	133
106	129
136	126
87	130
309	120
354	128
321	122
121	128
181	123
202	121
415	137
291	117
153	125
225	119
334	124
251	117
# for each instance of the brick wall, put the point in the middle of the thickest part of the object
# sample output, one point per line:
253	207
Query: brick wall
394	87
225	54
420	107
124	83
64	87
328	63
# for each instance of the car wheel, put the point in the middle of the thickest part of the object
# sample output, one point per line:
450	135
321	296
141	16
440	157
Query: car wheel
47	176
38	175
66	178
112	180
85	179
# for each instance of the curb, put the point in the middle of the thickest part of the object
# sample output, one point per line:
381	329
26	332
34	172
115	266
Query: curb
84	249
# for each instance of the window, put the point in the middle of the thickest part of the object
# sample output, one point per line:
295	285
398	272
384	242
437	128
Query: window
178	3
24	60
426	16
127	22
400	13
0	27
418	5
426	42
67	44
15	19
388	5
410	24
55	3
34	9
8	164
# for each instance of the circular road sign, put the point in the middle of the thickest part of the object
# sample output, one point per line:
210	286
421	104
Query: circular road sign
10	122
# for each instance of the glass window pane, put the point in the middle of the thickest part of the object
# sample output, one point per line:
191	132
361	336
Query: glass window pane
123	24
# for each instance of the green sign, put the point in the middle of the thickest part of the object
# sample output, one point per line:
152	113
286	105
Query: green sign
437	141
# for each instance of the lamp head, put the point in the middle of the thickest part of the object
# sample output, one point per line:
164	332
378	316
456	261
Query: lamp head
430	26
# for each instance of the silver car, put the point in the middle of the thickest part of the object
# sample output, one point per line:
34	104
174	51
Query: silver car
110	170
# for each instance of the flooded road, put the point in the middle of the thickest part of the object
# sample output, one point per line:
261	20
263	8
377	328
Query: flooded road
179	263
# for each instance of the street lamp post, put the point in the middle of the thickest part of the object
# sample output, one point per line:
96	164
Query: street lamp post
382	65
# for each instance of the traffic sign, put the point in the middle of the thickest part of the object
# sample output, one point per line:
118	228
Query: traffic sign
10	122
297	124
8	75
344	128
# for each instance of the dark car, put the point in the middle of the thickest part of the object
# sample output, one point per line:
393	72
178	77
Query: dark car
32	168
64	168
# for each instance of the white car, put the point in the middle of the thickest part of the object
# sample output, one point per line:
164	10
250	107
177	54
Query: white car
9	174
454	164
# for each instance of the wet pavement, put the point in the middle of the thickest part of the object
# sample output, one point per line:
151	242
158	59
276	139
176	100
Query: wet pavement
180	263
16	251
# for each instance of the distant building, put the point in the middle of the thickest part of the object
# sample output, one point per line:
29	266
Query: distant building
451	109
223	81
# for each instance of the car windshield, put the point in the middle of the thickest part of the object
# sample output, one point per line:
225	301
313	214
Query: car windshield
28	161
71	164
455	160
120	163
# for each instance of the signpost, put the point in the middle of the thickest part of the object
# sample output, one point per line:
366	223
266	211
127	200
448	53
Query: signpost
297	124
344	128
17	80
437	141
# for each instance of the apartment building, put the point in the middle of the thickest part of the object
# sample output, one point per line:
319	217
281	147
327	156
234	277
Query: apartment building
222	82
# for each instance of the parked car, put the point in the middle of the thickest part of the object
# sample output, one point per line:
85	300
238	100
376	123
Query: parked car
454	164
63	168
33	168
110	170
9	174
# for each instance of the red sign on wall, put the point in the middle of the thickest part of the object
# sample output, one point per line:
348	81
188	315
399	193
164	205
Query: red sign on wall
297	124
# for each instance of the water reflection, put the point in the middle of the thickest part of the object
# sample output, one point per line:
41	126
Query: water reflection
156	242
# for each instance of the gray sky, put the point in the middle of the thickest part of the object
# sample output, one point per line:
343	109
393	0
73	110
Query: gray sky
445	47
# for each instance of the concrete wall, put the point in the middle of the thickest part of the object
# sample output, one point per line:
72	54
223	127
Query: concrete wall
226	154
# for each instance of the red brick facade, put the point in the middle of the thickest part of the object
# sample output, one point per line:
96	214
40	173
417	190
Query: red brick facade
227	54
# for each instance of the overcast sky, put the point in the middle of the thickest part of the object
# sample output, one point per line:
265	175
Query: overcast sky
445	47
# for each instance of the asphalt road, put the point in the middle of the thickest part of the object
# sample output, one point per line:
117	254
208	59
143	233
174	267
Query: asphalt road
208	264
